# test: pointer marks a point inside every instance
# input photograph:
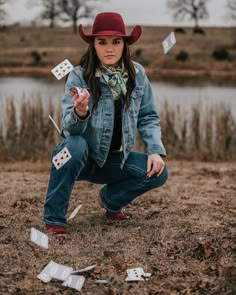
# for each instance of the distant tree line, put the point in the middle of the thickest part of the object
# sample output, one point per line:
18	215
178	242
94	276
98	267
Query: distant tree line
2	12
74	10
58	10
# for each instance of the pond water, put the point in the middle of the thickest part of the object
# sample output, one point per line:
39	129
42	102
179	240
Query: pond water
183	96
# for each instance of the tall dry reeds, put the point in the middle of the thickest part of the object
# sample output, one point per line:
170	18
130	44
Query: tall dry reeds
33	137
208	134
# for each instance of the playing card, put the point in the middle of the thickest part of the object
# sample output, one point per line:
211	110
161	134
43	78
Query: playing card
44	277
39	238
45	273
62	69
81	91
55	271
73	214
169	42
55	124
135	274
101	282
61	158
75	282
84	269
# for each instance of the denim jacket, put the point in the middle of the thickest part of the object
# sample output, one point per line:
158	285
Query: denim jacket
97	127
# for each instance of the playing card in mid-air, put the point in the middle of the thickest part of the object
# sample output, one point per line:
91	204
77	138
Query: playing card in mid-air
39	238
62	69
61	158
75	282
169	42
74	213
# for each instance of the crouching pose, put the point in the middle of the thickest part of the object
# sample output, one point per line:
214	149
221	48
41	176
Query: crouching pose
111	99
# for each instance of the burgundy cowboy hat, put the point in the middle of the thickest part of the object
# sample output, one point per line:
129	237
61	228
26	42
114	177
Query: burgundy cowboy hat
110	24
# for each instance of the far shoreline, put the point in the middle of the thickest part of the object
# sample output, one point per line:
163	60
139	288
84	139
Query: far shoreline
174	75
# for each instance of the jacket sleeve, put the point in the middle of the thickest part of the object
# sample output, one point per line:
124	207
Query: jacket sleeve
72	123
149	122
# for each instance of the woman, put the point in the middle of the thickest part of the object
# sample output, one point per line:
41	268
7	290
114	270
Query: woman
99	126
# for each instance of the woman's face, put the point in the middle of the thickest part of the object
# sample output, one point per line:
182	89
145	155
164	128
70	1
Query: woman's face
109	49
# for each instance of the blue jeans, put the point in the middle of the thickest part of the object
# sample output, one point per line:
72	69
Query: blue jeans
122	186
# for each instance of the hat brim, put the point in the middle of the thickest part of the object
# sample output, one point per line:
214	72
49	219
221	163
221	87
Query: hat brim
130	39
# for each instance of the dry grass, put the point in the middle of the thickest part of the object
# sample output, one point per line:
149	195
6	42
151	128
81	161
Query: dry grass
183	233
54	45
209	135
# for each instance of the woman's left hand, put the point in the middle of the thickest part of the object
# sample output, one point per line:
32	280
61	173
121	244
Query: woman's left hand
155	165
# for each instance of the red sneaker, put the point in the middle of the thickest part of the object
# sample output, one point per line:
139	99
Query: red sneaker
56	230
115	216
109	215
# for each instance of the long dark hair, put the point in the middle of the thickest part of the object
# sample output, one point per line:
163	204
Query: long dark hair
90	62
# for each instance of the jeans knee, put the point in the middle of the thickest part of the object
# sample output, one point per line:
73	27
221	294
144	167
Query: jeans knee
77	147
160	180
164	175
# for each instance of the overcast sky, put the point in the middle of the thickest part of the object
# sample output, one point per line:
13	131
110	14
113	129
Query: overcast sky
143	12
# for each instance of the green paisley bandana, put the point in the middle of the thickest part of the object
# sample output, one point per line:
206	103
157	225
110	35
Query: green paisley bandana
116	78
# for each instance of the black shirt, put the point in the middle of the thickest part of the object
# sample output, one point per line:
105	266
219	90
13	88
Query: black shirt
117	128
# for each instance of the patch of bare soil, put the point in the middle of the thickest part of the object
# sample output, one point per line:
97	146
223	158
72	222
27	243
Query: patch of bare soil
183	233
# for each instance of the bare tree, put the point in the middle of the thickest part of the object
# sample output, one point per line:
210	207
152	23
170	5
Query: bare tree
232	8
194	9
77	9
51	11
2	13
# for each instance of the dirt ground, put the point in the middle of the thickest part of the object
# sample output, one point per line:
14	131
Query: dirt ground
183	233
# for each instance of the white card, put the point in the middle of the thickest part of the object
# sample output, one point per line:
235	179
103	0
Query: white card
169	42
56	271
44	277
61	158
55	124
39	238
74	213
135	274
84	269
62	69
101	282
75	282
81	91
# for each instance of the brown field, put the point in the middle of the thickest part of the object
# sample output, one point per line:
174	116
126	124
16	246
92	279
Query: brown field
54	45
183	233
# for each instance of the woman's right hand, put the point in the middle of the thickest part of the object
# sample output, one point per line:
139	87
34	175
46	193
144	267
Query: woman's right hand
80	100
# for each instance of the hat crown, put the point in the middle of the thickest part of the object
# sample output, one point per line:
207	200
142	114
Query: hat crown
110	24
108	21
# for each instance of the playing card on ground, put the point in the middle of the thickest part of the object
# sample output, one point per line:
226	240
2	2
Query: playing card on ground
55	271
61	158
169	42
75	282
44	277
39	238
73	214
88	268
101	282
135	274
62	69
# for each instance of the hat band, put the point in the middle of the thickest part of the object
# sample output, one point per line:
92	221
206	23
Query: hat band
108	33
